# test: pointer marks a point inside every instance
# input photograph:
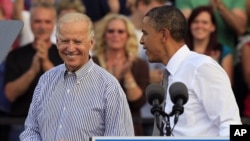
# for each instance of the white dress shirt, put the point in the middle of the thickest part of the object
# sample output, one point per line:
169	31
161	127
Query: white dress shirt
211	107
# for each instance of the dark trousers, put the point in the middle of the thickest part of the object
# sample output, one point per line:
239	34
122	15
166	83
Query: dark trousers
4	129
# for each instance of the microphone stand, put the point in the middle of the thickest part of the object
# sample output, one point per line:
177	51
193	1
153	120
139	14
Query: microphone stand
167	123
157	111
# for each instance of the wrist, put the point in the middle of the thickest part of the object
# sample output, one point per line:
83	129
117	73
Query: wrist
32	72
46	65
130	83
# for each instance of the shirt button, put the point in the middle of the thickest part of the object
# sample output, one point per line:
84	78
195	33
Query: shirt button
68	90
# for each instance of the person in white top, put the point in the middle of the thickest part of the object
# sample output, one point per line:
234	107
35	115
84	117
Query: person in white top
211	107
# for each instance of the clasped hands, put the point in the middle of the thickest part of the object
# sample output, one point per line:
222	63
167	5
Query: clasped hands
121	67
41	58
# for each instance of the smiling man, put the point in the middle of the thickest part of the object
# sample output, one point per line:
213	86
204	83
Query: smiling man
78	99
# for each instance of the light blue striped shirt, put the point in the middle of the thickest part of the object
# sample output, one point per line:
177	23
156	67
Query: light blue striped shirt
74	106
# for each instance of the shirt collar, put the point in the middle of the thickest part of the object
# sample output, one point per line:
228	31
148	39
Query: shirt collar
83	71
176	60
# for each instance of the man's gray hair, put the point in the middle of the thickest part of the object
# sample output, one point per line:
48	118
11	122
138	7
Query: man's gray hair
75	17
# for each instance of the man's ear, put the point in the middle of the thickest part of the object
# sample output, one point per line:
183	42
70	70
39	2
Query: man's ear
92	43
164	33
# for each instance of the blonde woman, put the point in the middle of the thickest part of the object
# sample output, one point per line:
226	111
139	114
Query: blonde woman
116	50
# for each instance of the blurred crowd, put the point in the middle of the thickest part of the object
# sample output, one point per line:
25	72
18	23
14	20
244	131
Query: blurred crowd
217	28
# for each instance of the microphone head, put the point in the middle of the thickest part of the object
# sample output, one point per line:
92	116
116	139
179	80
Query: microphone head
155	92
178	90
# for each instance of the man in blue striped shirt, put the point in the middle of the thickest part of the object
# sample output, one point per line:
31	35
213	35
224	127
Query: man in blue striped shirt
78	99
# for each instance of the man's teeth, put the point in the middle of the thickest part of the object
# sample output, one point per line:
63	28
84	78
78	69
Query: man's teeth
70	55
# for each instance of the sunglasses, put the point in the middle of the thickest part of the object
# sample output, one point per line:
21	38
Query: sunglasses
111	31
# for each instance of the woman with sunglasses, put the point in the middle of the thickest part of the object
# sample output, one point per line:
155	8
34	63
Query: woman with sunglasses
116	50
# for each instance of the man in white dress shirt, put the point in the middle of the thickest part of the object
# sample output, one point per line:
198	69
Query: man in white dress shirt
211	107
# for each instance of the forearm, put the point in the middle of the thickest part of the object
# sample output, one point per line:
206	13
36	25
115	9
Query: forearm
246	64
114	6
31	132
133	91
236	20
17	10
16	88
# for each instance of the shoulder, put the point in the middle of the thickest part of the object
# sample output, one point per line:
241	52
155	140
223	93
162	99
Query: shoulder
200	66
53	48
54	72
102	80
140	62
226	50
101	73
95	59
23	50
197	60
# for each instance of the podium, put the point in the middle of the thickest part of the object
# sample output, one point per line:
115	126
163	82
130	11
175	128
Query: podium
165	138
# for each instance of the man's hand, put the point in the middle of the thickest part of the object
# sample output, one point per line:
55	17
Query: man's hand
43	53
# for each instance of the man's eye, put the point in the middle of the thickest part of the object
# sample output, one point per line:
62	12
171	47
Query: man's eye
78	42
64	41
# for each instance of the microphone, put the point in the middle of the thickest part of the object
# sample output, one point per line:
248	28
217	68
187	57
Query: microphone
179	96
155	95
